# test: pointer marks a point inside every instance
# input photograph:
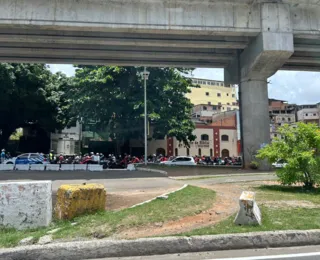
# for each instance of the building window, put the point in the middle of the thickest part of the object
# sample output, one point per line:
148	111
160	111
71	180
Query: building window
228	104
283	119
188	152
204	137
176	152
289	119
211	153
223	108
214	107
228	108
233	95
207	93
306	114
225	138
275	135
234	103
218	94
219	104
209	103
204	108
314	114
199	152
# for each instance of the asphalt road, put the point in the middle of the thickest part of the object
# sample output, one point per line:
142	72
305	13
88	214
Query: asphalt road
120	181
291	253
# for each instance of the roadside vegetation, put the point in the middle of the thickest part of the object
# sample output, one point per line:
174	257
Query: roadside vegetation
299	147
187	202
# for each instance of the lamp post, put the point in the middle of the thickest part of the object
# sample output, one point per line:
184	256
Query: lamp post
145	74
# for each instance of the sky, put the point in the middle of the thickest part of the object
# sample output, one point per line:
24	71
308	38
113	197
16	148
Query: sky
294	87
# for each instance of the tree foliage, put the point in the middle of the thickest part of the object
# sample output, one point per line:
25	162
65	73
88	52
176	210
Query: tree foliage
30	95
114	98
299	146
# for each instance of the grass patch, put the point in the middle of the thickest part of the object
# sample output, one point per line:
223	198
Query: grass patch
272	219
189	201
277	192
219	176
284	218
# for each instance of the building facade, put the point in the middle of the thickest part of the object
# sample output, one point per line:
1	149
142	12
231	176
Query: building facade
308	113
217	139
280	113
213	92
67	141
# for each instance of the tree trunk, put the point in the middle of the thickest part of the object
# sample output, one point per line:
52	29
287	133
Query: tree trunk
308	183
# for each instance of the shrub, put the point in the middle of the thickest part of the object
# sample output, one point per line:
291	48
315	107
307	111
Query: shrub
299	146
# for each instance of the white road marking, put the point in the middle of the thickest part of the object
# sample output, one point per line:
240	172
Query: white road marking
272	257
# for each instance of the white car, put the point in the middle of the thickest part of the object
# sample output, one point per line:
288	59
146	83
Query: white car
180	160
279	164
28	158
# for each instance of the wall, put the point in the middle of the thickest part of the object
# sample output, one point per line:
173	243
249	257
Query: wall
72	133
25	204
308	114
205	146
232	144
227	94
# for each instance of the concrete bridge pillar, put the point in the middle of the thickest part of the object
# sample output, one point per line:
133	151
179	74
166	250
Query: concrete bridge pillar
260	60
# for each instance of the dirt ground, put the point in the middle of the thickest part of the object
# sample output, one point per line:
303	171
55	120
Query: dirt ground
121	200
225	205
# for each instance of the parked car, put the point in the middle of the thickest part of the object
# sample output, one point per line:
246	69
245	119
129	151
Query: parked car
180	160
28	158
280	164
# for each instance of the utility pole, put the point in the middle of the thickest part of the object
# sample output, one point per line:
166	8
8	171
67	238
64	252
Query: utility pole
145	75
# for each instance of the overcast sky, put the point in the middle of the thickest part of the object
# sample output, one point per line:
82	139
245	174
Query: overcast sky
294	87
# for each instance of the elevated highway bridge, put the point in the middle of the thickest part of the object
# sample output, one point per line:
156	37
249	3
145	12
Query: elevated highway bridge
250	39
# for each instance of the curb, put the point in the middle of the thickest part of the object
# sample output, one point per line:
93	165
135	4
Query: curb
152	170
159	246
166	194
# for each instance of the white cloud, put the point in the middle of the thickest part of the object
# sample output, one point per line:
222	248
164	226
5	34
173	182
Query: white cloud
294	87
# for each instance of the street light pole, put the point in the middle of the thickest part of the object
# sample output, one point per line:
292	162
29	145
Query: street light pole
145	75
145	117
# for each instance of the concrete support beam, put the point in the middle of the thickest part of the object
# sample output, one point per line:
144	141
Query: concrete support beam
113	41
261	59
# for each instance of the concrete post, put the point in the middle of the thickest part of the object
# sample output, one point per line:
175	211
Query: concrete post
251	69
255	118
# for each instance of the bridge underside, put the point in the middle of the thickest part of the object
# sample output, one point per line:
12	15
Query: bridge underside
126	48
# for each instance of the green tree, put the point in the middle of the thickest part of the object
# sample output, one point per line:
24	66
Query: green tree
114	98
30	95
299	146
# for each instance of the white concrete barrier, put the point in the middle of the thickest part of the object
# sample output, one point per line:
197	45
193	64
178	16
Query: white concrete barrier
6	167
95	167
249	213
131	167
25	204
67	167
22	167
37	167
80	167
52	167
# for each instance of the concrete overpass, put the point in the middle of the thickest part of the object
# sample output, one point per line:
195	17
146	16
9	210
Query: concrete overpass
251	39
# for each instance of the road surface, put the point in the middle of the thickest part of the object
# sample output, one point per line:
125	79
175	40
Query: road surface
291	253
120	181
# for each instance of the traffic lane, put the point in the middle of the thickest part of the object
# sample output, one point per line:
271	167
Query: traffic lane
75	175
123	185
287	253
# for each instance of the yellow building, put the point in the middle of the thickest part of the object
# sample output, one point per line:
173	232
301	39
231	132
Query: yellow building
213	92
